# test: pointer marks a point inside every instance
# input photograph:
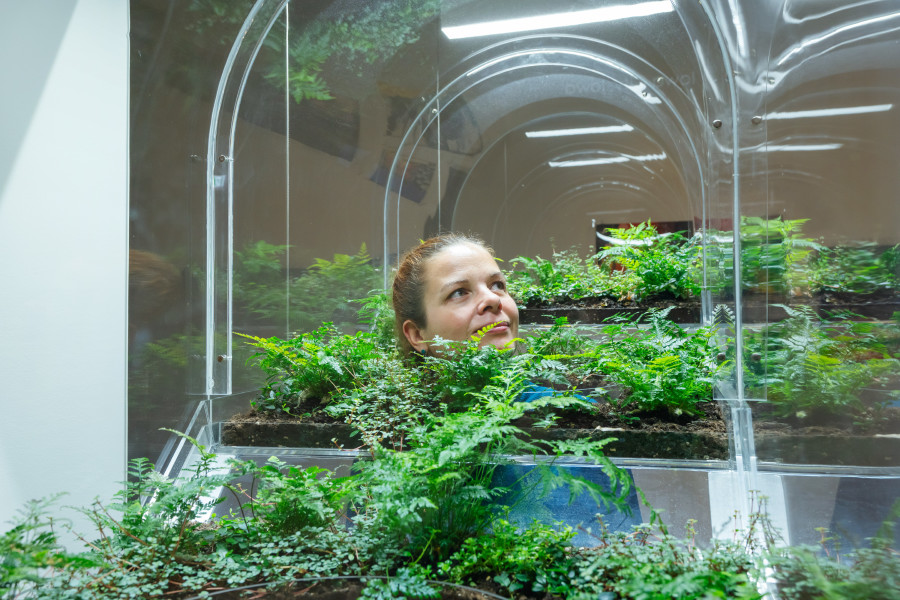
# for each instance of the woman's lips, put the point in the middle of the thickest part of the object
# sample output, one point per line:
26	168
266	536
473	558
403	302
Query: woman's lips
495	327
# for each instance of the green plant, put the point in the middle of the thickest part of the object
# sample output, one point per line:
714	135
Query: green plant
145	550
293	499
808	366
644	264
810	573
635	565
559	338
329	290
377	311
462	369
441	491
534	558
369	35
434	512
859	268
386	404
566	276
662	263
30	549
314	365
774	256
660	365
406	582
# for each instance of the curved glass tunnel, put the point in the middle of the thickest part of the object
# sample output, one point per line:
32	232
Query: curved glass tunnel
278	134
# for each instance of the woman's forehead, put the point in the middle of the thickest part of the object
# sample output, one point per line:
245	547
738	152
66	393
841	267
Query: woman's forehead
459	259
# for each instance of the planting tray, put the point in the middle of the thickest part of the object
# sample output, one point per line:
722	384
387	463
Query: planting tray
629	443
777	445
755	308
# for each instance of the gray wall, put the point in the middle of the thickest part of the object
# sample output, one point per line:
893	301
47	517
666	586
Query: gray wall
63	250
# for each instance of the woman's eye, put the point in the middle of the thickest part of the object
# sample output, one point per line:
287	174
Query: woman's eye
457	293
499	285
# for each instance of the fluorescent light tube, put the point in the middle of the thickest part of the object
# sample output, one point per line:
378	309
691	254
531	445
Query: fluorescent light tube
578	131
605	161
799	147
566	19
829	112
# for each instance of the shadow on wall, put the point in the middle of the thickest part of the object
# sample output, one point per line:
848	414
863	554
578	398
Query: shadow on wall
28	77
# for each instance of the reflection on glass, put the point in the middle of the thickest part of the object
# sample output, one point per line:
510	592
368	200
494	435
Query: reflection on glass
605	161
555	20
578	131
828	112
363	127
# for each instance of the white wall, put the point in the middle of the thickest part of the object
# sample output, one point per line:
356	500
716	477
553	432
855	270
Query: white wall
63	250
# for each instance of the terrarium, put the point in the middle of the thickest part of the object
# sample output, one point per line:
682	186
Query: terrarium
703	193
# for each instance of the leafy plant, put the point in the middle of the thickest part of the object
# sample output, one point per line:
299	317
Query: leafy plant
29	549
566	276
810	366
560	338
329	290
536	562
858	268
660	366
634	565
386	404
643	264
662	263
774	256
808	573
369	35
399	513
293	499
399	521
447	493
314	365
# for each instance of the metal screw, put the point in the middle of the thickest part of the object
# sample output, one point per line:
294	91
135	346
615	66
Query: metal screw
222	158
717	123
756	120
220	358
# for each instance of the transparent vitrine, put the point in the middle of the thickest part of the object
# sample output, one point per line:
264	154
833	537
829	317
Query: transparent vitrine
285	154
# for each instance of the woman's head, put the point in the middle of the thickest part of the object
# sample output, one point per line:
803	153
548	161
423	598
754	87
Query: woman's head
450	287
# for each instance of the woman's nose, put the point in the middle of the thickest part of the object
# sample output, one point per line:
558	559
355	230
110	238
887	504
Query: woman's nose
490	300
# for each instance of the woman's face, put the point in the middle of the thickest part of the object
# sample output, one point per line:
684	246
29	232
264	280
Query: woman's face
464	293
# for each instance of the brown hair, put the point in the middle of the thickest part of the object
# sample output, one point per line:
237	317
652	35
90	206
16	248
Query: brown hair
408	290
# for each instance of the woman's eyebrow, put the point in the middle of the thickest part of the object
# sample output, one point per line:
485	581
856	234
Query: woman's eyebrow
454	283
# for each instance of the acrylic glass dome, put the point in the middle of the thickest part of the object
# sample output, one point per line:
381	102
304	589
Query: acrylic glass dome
318	130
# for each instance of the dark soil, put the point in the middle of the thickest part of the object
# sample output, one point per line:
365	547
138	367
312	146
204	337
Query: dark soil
759	308
344	589
653	435
596	310
817	439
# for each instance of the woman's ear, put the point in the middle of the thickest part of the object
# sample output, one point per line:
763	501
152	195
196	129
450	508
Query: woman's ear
414	335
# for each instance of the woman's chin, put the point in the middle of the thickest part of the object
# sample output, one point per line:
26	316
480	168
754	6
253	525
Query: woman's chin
499	342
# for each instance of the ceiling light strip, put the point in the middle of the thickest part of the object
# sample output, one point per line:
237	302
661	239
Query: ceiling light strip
578	131
566	19
829	112
605	161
